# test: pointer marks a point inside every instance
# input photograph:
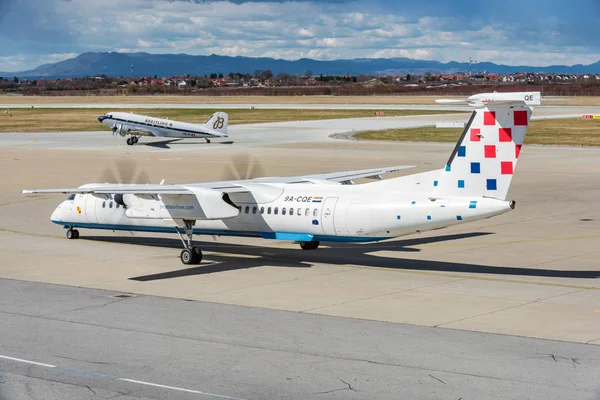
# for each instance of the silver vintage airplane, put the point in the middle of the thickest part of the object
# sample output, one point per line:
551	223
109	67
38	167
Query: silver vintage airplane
137	125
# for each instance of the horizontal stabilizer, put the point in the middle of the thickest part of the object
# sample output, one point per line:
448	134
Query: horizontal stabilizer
517	99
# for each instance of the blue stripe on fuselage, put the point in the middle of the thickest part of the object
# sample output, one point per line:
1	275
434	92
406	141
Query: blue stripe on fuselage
219	232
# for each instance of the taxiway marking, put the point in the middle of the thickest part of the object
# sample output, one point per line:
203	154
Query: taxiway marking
116	378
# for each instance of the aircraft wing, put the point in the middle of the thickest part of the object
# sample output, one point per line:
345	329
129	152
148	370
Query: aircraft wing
226	186
108	188
344	176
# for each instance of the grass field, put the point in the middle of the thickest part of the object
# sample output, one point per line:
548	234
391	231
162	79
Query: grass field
572	132
82	119
571	101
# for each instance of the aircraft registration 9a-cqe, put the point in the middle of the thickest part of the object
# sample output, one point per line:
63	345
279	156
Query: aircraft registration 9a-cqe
472	185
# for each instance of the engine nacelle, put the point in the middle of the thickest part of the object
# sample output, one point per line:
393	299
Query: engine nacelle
121	129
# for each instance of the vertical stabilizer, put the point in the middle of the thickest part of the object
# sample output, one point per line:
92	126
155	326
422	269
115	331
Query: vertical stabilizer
485	157
218	123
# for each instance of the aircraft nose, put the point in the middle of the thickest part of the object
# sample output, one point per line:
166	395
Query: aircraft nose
102	118
56	214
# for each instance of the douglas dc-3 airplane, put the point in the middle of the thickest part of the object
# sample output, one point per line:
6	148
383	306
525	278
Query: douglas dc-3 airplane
141	125
472	185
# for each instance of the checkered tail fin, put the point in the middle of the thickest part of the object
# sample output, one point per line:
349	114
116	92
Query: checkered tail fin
485	157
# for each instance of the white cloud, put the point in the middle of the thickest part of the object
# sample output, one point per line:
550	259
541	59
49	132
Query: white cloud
319	30
22	62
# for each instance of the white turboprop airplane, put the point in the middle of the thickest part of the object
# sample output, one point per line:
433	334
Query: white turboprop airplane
141	125
327	207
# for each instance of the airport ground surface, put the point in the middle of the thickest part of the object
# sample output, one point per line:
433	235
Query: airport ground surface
509	305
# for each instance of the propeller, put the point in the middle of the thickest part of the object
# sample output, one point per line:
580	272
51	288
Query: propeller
125	171
243	167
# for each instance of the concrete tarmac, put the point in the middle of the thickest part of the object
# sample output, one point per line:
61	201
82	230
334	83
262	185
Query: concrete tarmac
531	274
96	345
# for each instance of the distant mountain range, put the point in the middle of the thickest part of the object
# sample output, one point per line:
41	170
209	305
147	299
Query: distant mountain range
144	64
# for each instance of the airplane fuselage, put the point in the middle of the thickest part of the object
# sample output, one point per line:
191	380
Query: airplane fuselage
143	125
303	213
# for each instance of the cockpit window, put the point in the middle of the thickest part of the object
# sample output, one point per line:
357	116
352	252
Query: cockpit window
71	196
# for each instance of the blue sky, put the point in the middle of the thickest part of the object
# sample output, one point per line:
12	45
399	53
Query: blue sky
534	32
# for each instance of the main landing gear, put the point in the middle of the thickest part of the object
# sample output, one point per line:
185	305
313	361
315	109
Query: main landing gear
72	234
207	140
190	254
309	245
132	140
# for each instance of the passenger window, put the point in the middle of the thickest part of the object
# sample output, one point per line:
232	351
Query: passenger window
117	205
307	212
262	210
283	211
269	210
276	211
253	210
110	205
247	209
103	204
315	211
291	211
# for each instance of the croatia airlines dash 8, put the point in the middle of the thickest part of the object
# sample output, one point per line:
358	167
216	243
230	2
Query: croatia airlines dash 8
136	125
309	209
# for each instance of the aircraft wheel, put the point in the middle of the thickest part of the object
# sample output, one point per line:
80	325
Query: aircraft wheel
76	232
309	245
135	140
187	256
72	234
129	141
197	255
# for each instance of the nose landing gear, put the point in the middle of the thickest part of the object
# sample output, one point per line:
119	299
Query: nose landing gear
72	234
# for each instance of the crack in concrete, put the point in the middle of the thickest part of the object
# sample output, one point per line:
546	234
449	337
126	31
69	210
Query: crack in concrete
437	379
340	389
86	361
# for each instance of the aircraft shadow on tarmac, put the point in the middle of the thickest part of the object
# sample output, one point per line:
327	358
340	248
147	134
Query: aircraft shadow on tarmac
332	253
164	144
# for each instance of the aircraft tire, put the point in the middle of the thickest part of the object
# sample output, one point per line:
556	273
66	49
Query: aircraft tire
76	232
187	256
309	245
197	252
72	234
129	141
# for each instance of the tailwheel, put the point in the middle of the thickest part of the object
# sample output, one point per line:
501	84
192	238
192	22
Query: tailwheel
309	245
72	234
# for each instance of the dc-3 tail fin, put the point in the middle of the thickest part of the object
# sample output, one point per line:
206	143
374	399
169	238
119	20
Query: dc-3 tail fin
486	155
218	123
